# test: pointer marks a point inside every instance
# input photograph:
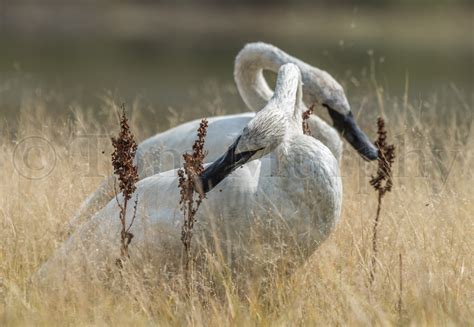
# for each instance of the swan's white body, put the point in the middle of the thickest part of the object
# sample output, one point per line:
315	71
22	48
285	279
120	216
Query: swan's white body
164	151
293	178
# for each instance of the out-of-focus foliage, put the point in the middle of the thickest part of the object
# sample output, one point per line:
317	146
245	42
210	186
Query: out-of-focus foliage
260	3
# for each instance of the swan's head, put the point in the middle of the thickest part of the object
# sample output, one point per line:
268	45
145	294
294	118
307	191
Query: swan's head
264	132
321	88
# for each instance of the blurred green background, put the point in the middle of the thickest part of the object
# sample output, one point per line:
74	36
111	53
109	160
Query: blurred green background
167	53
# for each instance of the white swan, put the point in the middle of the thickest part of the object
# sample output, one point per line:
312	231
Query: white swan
164	150
298	183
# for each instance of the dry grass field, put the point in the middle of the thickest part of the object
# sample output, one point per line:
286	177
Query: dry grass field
49	164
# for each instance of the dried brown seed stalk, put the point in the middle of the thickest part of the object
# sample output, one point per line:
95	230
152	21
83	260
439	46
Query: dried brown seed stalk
382	183
306	115
190	197
125	148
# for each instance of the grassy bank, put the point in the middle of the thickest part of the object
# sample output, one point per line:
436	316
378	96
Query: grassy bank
425	260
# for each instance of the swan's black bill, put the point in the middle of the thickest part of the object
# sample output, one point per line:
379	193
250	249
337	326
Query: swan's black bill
223	166
347	126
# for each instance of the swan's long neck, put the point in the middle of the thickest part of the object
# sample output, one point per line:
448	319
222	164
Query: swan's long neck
299	104
288	95
250	63
248	72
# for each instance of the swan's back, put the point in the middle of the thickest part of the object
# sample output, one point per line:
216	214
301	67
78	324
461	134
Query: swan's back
164	151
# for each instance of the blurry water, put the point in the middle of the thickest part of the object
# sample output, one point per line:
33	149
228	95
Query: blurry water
165	55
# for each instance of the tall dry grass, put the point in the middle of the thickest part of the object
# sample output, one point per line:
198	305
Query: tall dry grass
426	222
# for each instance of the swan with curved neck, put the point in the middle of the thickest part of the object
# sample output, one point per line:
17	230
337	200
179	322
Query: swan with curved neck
319	88
164	150
282	173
